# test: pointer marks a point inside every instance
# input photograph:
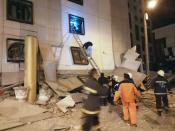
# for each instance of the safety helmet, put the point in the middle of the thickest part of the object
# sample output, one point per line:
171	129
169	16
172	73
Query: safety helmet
161	73
130	75
115	78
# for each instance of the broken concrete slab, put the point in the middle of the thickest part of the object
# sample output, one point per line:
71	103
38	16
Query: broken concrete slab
78	97
129	60
69	83
65	85
56	88
132	65
12	85
137	76
64	103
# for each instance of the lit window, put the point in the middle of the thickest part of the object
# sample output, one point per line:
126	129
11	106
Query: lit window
76	24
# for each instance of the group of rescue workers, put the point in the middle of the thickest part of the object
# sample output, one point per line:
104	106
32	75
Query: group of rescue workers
103	89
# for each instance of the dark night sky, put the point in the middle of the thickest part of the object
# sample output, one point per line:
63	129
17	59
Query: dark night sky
163	14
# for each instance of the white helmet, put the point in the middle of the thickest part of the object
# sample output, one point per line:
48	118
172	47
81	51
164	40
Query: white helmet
161	73
115	78
130	75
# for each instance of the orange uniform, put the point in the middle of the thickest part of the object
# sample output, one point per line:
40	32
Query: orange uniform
127	92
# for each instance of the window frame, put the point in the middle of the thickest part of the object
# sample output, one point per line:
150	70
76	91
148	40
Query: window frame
79	3
74	49
70	31
20	20
7	43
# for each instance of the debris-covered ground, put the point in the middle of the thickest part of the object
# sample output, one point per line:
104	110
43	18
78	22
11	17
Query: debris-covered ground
58	108
26	117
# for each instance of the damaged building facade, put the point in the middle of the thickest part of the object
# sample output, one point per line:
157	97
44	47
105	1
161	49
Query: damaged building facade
103	22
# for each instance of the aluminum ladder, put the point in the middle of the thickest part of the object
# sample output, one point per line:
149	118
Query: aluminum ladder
90	59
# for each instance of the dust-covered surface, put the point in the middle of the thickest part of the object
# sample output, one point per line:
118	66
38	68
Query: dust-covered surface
110	117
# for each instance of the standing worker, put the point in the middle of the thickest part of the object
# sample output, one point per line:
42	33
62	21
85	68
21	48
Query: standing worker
91	107
161	87
102	80
127	91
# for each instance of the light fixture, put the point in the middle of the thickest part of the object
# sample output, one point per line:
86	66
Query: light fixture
152	4
146	16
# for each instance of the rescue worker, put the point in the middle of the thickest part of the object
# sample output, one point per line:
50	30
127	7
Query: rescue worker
102	80
115	84
127	91
161	88
88	47
91	107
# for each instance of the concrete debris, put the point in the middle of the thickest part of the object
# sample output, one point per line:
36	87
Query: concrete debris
55	87
65	103
65	85
44	96
20	93
69	83
131	54
132	65
130	61
16	84
137	76
78	97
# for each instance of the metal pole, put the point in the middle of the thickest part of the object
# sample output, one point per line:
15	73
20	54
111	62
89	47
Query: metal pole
146	43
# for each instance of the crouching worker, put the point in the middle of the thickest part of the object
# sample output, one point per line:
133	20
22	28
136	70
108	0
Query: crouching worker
91	107
127	91
161	89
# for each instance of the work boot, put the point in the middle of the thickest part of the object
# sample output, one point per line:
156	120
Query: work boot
159	113
166	111
134	125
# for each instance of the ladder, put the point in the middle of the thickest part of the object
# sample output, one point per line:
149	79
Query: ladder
90	59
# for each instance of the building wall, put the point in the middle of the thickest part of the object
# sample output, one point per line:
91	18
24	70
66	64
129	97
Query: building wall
106	25
136	12
96	14
120	29
166	32
47	27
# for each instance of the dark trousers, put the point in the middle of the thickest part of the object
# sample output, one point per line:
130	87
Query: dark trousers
161	99
90	121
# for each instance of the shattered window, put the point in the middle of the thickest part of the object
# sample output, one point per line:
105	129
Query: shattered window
78	57
15	50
